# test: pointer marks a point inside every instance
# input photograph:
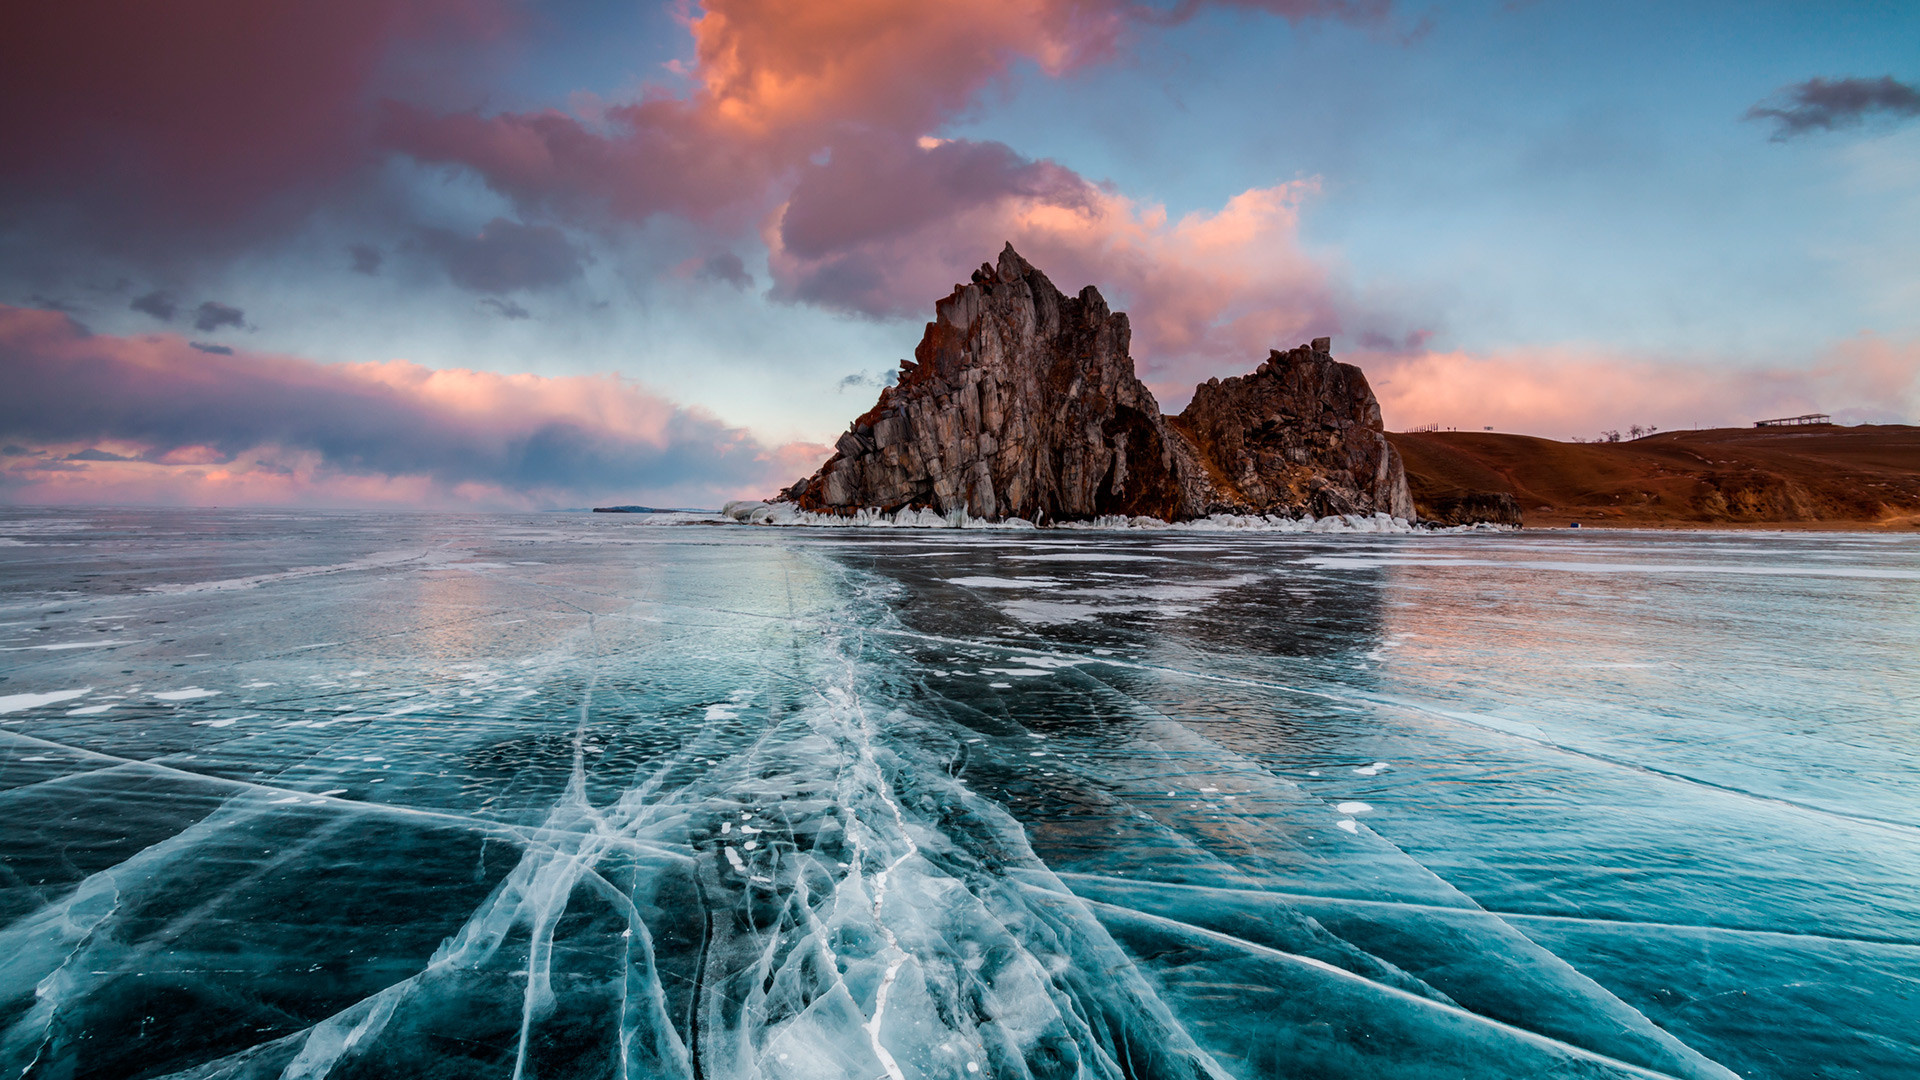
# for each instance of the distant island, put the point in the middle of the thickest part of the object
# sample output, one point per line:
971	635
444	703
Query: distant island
1021	403
643	510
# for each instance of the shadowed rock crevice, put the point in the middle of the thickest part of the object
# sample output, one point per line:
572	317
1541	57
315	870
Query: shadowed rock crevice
1022	402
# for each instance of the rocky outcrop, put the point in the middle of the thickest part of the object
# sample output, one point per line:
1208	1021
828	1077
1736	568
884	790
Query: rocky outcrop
1301	434
1021	402
1471	508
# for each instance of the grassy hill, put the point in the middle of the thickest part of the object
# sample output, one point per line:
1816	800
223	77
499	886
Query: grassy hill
1816	476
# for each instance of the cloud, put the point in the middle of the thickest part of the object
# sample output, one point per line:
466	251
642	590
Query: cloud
1827	104
360	433
219	112
53	303
1562	391
779	84
212	315
157	304
505	256
506	309
867	378
725	267
815	120
194	116
659	155
876	187
217	350
1207	294
1413	341
95	454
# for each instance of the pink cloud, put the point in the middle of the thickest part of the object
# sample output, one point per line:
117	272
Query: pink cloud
818	119
1561	391
1207	294
825	111
150	419
656	156
776	82
200	113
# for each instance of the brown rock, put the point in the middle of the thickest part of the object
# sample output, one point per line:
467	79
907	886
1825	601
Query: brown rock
1022	402
1301	434
1471	508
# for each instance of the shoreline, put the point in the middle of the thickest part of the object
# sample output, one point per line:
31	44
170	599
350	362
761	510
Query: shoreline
1901	526
1819	478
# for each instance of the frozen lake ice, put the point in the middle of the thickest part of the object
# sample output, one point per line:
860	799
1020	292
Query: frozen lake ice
292	794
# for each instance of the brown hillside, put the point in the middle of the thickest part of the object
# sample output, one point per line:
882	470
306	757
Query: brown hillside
1810	477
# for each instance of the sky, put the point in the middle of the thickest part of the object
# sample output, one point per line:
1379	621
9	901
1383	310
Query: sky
535	254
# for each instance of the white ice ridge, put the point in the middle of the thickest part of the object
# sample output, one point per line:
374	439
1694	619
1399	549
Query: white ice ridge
753	512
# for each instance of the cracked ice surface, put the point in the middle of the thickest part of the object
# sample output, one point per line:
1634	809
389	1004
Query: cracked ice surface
310	795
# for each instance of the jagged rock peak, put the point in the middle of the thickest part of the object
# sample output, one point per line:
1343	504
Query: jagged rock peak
1021	401
1300	434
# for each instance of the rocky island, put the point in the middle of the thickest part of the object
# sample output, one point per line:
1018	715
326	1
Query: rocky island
1021	403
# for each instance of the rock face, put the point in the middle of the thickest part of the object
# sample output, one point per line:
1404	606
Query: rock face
1472	508
1022	402
1301	434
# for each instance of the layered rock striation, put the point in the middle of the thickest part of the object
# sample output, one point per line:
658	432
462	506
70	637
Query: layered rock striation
1022	402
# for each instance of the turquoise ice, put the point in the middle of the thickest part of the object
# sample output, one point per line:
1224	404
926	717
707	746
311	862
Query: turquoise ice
300	795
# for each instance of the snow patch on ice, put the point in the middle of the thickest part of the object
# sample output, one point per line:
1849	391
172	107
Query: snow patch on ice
1090	556
64	645
191	693
1004	583
16	702
1050	612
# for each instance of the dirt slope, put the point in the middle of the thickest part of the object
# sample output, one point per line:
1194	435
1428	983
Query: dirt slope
1817	476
